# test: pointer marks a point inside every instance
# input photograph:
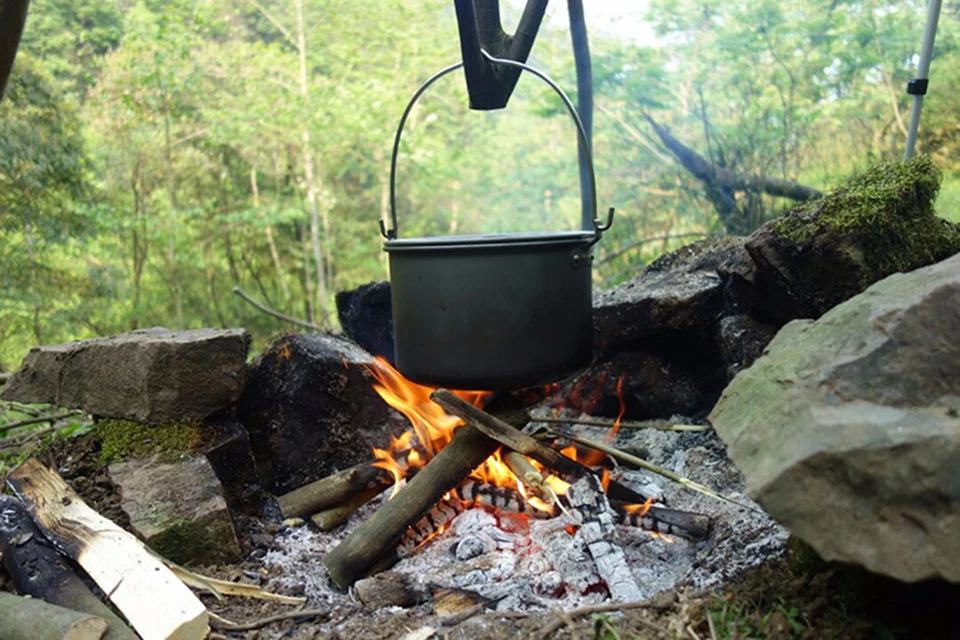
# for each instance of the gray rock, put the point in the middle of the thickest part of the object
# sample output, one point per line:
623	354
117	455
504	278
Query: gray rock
847	429
654	302
154	376
310	409
741	340
177	508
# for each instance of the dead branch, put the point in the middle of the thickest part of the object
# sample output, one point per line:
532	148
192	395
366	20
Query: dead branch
331	491
273	312
225	625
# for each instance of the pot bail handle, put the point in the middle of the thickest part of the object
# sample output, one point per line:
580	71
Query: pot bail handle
598	226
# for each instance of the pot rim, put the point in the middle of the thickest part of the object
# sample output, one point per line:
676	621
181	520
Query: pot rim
492	240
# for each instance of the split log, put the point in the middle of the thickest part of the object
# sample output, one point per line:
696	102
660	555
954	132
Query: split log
333	490
597	530
30	619
360	551
514	439
157	605
36	569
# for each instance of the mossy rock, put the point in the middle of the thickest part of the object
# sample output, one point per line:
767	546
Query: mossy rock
825	251
121	439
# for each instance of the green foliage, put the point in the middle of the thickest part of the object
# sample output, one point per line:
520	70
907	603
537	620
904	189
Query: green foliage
154	154
121	439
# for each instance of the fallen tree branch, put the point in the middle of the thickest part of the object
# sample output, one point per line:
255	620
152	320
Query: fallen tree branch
710	173
157	604
276	314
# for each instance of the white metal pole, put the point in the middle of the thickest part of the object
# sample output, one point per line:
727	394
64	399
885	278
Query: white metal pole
917	87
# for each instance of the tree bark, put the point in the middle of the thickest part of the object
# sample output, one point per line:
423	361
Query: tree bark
308	174
31	619
36	569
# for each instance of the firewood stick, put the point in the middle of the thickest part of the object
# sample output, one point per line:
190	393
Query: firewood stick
157	605
333	490
643	464
507	435
36	569
685	524
31	619
598	422
520	442
335	516
353	558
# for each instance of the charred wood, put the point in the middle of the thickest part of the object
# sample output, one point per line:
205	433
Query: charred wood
684	524
37	570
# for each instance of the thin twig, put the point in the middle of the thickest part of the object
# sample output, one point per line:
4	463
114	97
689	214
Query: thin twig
640	462
273	312
713	629
597	422
23	423
15	443
222	624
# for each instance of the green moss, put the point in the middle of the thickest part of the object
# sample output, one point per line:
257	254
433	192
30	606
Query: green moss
884	218
184	541
124	438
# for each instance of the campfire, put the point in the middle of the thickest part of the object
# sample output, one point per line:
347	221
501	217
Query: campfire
458	458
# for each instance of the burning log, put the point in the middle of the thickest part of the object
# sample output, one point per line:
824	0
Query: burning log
502	498
332	491
431	524
597	530
157	605
360	551
36	569
520	442
31	619
685	524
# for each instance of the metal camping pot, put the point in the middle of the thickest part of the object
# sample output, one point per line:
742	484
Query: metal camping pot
493	311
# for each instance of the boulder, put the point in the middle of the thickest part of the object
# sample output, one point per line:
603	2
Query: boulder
177	508
152	376
847	429
366	316
741	340
310	409
825	251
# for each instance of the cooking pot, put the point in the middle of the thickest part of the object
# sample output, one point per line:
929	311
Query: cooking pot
492	311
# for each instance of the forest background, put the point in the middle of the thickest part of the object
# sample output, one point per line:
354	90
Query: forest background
156	153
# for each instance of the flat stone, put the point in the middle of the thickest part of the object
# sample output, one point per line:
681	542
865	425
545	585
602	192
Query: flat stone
153	376
847	429
177	508
310	409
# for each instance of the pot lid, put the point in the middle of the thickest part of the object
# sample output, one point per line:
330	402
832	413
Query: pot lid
492	240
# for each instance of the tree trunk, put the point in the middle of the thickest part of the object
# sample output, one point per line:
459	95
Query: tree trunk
321	291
